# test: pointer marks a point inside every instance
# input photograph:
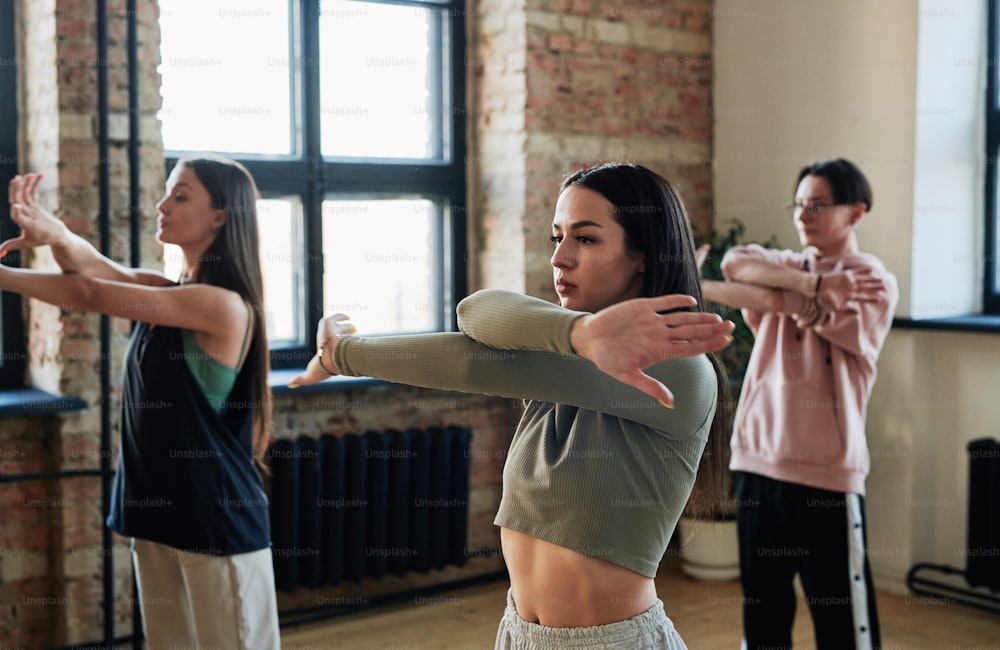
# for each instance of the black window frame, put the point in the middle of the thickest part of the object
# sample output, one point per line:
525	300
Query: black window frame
991	287
311	177
13	353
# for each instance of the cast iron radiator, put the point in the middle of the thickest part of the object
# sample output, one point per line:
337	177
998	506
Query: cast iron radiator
355	506
982	567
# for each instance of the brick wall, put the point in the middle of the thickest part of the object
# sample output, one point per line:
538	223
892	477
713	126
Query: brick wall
562	84
51	534
554	85
50	567
497	166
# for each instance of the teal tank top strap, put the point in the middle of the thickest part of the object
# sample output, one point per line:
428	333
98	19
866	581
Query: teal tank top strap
215	379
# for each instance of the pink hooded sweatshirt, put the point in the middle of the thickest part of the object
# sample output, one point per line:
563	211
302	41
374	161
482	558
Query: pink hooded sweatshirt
801	414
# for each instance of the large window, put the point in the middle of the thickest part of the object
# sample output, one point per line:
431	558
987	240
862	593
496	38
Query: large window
991	285
12	345
349	116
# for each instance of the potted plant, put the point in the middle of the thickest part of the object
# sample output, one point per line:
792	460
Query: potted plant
709	546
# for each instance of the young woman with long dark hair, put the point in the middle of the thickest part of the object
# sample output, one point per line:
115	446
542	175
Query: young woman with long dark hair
605	457
195	401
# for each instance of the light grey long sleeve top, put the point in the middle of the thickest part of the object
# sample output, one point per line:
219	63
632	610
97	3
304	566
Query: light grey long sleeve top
595	465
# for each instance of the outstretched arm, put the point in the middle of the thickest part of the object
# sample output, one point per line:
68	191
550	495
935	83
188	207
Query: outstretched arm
852	309
198	307
453	361
72	253
741	264
741	296
622	340
832	290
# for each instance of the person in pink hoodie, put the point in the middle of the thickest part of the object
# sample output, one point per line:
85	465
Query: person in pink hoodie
819	318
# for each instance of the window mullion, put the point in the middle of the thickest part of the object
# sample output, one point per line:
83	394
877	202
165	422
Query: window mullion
991	292
12	342
312	203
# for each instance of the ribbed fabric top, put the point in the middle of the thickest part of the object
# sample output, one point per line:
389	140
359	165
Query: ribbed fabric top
595	465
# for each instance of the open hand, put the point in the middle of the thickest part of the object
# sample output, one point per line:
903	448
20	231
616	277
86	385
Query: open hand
38	226
627	337
323	365
857	284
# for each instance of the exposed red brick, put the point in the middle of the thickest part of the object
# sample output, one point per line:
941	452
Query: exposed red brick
560	42
75	28
567	86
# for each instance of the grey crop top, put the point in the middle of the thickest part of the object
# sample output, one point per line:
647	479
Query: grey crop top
595	466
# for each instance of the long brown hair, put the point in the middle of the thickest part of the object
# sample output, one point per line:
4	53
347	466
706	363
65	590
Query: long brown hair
232	261
656	224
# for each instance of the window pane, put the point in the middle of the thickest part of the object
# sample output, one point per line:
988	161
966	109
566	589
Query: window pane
226	76
279	222
280	254
379	264
379	81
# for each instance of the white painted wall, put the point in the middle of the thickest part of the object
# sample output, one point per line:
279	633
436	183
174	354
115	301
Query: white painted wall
896	87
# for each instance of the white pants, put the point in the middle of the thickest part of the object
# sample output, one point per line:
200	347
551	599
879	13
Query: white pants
651	630
191	600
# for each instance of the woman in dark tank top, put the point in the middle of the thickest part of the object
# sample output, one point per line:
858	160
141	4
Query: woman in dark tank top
195	400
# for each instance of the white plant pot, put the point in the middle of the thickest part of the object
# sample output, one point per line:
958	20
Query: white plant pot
709	549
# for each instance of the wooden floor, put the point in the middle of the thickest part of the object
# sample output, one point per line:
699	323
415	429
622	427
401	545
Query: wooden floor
707	614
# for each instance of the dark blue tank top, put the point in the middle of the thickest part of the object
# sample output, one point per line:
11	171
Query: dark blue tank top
186	476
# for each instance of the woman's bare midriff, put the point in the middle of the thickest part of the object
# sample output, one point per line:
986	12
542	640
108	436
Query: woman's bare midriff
557	587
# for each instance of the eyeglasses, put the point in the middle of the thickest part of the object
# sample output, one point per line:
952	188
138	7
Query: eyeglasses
813	207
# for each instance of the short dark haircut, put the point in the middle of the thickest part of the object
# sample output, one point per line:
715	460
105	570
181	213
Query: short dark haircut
847	182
